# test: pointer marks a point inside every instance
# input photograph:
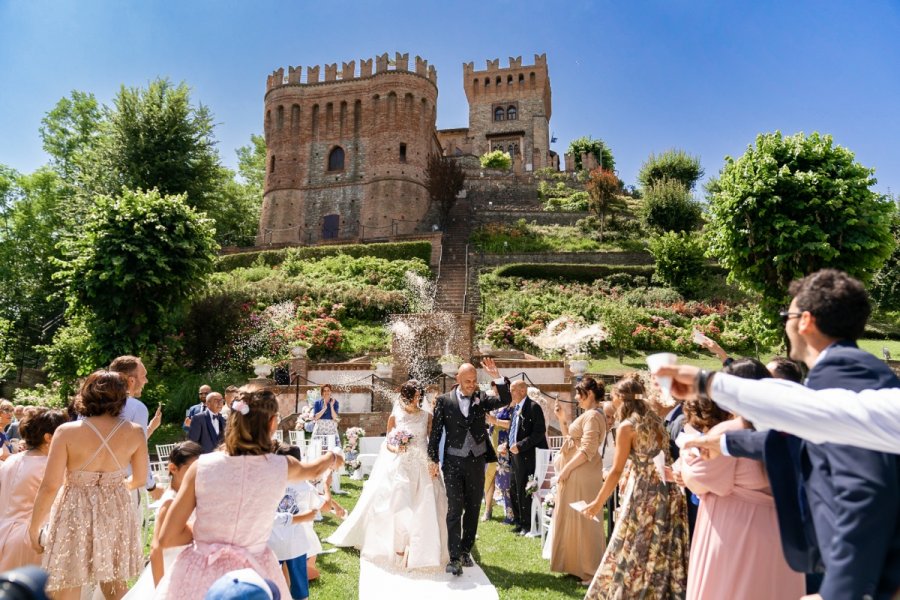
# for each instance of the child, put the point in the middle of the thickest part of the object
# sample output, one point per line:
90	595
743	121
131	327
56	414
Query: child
293	540
182	456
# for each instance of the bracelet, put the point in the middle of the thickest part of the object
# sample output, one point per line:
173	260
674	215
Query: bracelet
702	383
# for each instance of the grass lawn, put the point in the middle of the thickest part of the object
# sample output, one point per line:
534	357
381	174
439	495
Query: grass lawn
513	564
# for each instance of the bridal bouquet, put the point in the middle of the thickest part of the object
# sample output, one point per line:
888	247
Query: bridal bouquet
400	438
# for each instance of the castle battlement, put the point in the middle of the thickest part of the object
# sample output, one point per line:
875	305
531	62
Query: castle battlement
540	61
347	71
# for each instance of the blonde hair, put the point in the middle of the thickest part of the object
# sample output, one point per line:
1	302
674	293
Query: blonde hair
250	434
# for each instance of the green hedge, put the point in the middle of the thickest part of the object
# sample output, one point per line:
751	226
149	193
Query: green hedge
570	272
389	251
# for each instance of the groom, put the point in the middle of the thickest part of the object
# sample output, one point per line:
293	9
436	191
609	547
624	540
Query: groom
461	414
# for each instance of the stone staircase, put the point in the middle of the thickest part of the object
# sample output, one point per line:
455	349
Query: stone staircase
452	284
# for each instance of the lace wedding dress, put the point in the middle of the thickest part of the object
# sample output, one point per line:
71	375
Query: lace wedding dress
401	516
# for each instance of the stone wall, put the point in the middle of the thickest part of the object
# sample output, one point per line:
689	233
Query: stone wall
511	214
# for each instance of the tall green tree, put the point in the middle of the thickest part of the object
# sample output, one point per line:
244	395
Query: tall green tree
33	217
155	138
672	165
70	132
792	205
598	148
139	258
669	206
252	162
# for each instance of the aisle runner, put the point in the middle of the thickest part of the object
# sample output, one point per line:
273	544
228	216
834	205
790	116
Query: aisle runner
376	581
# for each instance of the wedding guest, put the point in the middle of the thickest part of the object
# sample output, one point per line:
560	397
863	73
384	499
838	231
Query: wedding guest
245	482
499	431
208	426
202	393
326	413
527	432
608	448
181	457
20	477
293	539
784	368
93	535
735	550
231	392
578	544
7	446
134	373
647	553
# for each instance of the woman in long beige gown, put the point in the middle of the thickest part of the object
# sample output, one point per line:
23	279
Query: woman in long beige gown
578	542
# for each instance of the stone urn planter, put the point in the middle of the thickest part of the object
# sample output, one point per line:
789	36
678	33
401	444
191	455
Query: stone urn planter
578	367
262	370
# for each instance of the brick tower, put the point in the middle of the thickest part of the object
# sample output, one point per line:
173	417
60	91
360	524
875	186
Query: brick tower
346	155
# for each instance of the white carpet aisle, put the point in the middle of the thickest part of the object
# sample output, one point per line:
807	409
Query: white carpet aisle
377	582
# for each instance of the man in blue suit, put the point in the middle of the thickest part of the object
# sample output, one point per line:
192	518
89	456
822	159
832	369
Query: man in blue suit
838	506
208	426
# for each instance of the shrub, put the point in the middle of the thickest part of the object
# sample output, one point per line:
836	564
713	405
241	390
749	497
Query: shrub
498	159
668	206
651	296
570	272
674	165
679	260
389	251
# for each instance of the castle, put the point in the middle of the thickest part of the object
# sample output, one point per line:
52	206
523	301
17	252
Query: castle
346	156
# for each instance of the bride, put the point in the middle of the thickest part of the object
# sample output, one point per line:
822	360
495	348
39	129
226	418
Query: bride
400	518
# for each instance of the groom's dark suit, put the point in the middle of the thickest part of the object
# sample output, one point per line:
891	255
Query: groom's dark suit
203	433
466	450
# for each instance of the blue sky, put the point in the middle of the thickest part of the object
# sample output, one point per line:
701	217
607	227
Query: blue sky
702	75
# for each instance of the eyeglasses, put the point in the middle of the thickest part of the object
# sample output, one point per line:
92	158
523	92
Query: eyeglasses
787	315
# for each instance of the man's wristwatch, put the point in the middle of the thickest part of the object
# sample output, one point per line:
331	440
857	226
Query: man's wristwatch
703	378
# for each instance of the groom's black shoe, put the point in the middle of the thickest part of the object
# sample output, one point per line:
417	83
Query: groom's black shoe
466	560
454	567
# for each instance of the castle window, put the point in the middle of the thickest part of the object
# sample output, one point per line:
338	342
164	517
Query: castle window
487	81
336	159
499	113
511	114
521	79
531	80
403	153
272	164
279	119
509	80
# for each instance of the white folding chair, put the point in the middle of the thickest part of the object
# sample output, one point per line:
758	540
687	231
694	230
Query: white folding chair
555	441
279	436
369	447
297	438
163	451
541	467
160	472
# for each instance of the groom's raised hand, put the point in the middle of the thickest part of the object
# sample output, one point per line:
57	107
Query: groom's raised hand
490	368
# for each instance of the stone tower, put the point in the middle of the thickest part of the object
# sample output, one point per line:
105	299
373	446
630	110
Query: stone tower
346	154
509	109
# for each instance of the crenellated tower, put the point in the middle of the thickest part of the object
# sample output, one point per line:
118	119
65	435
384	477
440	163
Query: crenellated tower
509	109
347	150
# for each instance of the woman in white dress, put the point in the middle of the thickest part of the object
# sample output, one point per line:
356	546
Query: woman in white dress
400	518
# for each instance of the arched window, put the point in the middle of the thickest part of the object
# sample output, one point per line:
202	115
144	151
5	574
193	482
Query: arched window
499	80
336	159
499	113
511	114
279	121
272	164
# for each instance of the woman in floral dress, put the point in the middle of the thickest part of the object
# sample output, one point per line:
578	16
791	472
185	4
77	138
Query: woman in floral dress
647	554
499	422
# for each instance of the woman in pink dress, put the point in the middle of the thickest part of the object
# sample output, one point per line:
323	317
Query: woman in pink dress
235	494
20	478
736	548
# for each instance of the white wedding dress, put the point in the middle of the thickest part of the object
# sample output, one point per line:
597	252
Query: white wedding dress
401	516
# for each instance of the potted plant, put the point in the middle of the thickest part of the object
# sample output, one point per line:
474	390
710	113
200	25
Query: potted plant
578	364
384	366
262	366
450	364
298	350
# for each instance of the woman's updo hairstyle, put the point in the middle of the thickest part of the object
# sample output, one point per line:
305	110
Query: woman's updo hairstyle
37	422
589	384
184	452
408	391
249	434
103	393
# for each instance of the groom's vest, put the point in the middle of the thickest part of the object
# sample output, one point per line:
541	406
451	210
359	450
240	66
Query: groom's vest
469	446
